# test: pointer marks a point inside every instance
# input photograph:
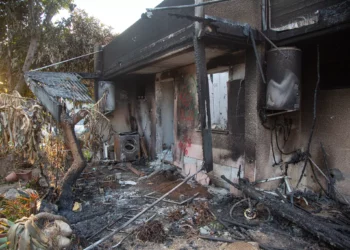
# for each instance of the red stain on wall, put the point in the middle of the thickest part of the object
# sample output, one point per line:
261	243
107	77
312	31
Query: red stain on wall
187	101
187	109
186	143
187	113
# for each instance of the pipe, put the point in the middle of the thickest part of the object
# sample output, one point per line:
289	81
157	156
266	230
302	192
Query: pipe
68	60
257	55
263	15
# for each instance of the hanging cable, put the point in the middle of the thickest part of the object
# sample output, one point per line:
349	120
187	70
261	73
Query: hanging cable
185	6
256	55
307	152
276	138
68	60
273	151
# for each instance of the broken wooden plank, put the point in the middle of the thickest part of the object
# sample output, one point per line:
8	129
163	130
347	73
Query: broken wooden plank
134	170
119	167
308	222
143	147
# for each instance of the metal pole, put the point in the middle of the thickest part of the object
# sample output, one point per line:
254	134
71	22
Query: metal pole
263	14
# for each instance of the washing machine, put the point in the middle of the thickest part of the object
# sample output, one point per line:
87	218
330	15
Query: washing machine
127	146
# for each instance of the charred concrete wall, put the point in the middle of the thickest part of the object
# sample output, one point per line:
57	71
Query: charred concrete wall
245	136
332	122
245	141
284	12
248	11
333	110
228	144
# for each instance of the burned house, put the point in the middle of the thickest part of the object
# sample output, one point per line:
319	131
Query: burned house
231	86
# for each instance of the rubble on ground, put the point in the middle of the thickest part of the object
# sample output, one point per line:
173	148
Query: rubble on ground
152	231
189	216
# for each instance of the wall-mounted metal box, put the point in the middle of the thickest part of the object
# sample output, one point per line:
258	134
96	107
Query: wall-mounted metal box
108	88
283	79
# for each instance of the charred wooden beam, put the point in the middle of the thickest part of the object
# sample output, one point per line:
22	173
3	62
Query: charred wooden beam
237	28
203	92
225	60
331	19
311	223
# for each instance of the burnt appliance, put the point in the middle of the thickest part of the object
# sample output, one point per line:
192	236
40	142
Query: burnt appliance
283	79
107	89
127	146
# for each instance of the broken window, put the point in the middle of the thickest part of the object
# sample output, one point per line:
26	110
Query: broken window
218	99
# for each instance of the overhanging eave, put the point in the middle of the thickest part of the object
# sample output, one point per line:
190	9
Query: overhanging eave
224	37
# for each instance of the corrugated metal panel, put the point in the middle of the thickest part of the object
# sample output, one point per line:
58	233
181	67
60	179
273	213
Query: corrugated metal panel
60	85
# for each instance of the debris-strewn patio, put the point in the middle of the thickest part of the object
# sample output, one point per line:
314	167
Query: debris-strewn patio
191	217
151	205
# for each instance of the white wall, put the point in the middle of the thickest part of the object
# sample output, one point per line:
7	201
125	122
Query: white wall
167	106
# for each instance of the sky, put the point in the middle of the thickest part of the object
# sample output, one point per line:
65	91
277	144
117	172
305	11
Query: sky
120	14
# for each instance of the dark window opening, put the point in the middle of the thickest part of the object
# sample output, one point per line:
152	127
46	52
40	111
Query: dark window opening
141	92
335	62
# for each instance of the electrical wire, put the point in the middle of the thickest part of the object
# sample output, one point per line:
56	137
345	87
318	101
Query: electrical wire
285	140
185	6
263	118
68	60
273	151
314	116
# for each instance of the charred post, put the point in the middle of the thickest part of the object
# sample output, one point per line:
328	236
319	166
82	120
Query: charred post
203	92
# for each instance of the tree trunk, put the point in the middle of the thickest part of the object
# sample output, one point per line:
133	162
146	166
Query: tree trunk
9	73
33	47
67	123
9	63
